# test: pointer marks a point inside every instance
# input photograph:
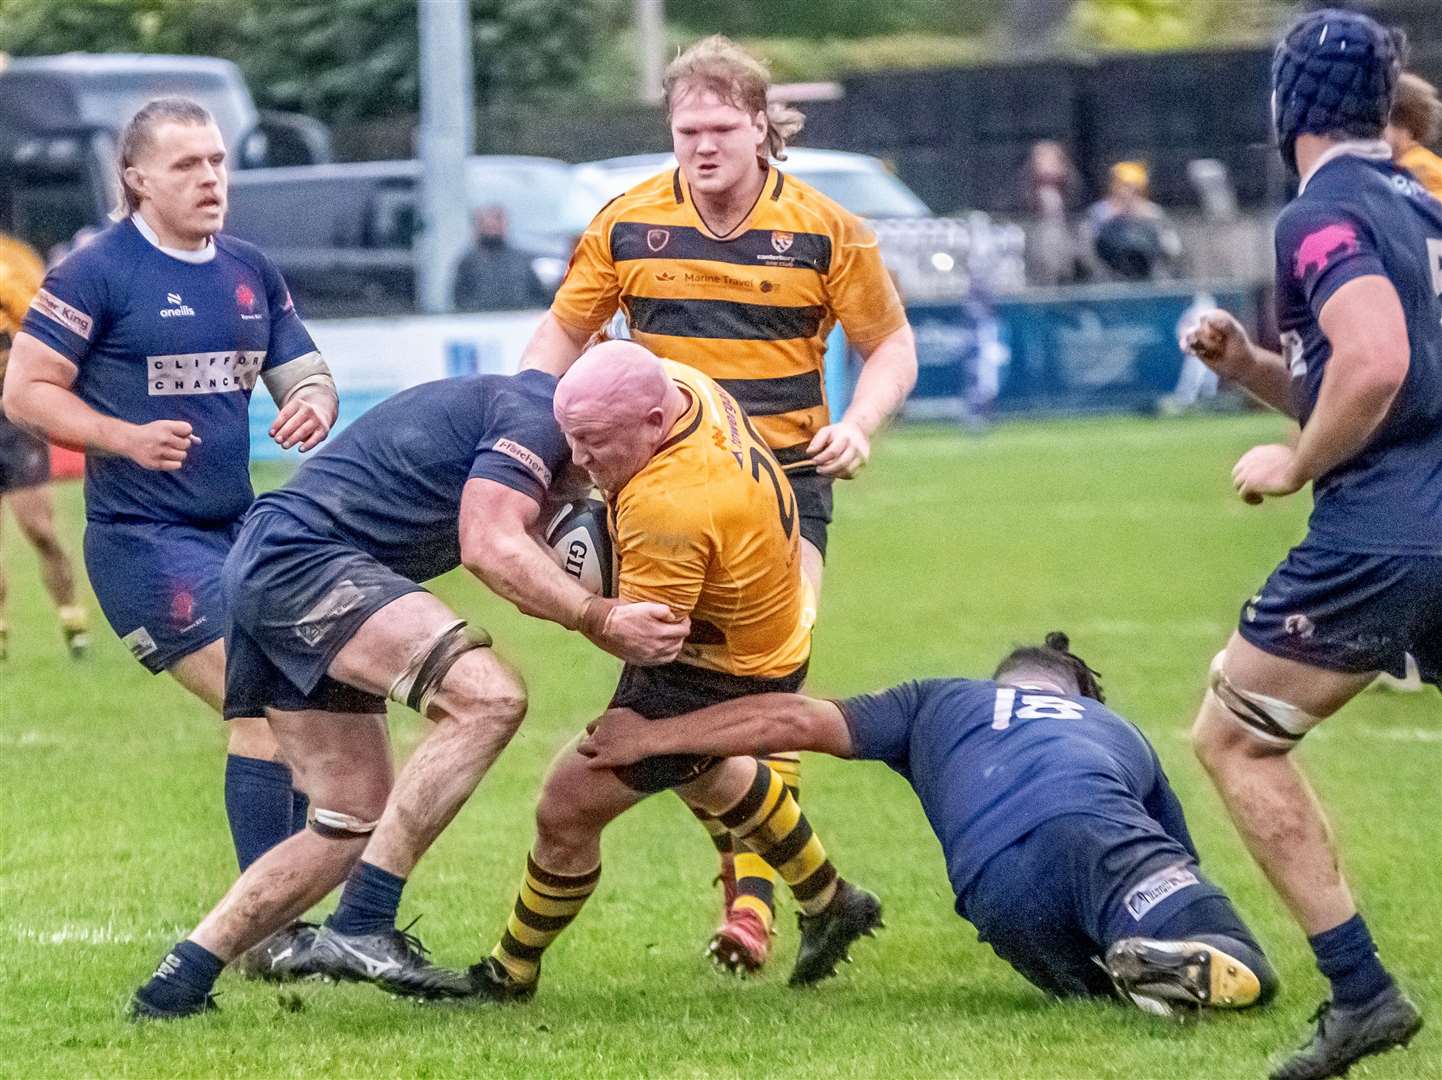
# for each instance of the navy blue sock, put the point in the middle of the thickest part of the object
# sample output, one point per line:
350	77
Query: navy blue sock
257	805
369	901
183	978
299	809
1347	955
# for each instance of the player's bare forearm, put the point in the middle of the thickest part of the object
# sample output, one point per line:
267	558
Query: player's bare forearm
888	374
756	725
1269	381
1370	357
518	569
554	346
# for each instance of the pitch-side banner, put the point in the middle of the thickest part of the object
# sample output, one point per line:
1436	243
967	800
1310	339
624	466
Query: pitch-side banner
374	358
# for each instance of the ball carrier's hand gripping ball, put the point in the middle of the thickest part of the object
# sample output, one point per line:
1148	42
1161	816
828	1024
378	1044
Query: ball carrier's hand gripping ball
580	540
1334	73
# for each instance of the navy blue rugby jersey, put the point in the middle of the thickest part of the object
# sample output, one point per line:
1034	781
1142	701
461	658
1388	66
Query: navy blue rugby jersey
1358	215
990	763
390	484
160	338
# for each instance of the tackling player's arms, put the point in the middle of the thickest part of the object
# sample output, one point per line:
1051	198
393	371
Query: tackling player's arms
39	397
750	726
500	546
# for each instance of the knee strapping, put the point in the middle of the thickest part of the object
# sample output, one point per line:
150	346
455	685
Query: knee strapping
335	825
1270	719
418	682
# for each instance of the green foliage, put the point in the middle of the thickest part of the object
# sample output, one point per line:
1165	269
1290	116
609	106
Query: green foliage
336	59
800	59
834	18
1173	24
946	551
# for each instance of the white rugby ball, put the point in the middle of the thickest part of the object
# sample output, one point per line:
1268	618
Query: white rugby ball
580	541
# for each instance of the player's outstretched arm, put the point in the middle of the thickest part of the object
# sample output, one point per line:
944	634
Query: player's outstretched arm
38	397
554	346
749	726
888	374
498	545
1218	340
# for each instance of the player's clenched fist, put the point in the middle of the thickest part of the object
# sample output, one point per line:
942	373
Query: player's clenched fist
840	450
1267	470
1218	340
646	634
162	445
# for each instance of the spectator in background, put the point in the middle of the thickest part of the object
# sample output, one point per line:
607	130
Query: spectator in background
1130	237
493	276
1050	193
1415	122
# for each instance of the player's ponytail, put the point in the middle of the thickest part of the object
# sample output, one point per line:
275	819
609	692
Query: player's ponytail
137	136
1055	655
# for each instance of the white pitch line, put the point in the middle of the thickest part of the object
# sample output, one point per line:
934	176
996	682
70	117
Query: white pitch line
27	740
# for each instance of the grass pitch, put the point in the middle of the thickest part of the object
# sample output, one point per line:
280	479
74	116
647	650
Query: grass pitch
948	550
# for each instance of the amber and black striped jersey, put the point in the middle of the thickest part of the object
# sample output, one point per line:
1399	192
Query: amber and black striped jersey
752	310
708	527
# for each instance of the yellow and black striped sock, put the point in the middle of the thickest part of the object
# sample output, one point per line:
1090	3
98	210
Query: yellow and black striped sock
546	905
769	822
720	835
755	880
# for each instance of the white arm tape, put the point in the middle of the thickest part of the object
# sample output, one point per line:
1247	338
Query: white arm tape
283	380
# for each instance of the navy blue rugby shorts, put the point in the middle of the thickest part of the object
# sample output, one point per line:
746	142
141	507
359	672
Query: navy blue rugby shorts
1344	611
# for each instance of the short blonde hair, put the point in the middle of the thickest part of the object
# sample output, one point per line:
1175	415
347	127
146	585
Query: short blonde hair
721	66
1416	109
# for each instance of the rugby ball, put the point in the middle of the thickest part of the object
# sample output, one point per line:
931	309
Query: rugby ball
580	540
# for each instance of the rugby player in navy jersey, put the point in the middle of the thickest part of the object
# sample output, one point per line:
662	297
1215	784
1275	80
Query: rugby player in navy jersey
141	349
1065	846
1359	274
328	620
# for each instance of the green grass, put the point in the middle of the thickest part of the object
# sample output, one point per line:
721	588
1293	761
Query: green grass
949	549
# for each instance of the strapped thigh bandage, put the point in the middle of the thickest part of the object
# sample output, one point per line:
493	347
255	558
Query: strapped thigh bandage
334	825
1270	719
421	678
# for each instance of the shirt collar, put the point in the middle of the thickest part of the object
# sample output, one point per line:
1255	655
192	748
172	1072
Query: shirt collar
203	255
1371	149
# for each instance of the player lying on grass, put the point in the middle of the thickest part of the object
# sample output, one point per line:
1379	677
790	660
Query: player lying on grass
1359	273
1065	845
704	523
328	621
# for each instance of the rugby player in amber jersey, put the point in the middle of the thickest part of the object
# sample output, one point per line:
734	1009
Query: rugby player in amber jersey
731	266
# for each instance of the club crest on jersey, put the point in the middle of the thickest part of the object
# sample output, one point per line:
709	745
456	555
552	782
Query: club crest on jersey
656	239
177	308
245	296
782	241
1317	249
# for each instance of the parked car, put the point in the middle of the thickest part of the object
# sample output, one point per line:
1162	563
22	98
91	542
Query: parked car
60	117
342	234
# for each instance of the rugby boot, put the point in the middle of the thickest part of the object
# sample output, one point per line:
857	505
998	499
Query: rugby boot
143	1008
395	960
490	980
1347	1034
742	944
282	957
75	626
1161	976
827	935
